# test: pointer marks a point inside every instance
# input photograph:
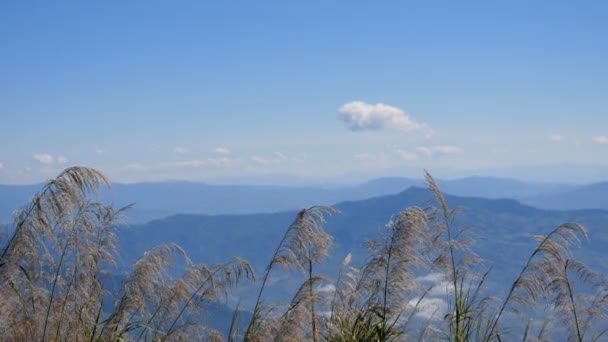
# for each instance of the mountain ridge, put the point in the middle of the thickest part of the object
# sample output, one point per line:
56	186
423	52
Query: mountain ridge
160	199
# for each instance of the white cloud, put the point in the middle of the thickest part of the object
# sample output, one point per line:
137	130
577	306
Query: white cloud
44	158
260	160
430	308
362	156
327	288
405	155
433	306
359	116
222	150
556	137
180	150
99	151
433	277
280	155
1	166
62	159
441	150
195	163
425	151
602	139
209	162
137	166
438	151
277	158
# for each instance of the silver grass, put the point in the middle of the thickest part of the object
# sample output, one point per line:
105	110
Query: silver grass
304	244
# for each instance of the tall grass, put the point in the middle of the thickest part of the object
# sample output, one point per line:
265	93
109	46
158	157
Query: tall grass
57	270
61	253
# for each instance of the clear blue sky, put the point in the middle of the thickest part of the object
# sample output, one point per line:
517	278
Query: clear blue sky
243	91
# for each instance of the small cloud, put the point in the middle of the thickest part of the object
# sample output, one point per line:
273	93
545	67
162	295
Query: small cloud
1	166
62	159
362	156
180	150
405	155
99	151
44	158
222	150
137	166
277	158
602	139
209	162
429	308
328	288
361	116
556	137
438	151
433	277
280	155
425	151
260	160
442	150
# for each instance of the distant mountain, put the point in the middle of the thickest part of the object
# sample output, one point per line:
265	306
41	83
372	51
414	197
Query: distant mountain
503	225
157	200
589	196
491	187
14	196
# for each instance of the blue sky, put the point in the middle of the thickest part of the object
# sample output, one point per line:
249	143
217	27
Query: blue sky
315	90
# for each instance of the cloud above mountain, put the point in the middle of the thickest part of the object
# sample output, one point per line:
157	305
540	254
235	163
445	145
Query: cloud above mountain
362	116
222	150
180	150
602	139
438	151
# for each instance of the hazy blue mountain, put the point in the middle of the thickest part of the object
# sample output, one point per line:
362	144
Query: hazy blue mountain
157	200
589	196
13	197
503	225
492	187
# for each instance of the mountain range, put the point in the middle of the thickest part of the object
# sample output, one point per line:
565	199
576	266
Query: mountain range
161	199
503	227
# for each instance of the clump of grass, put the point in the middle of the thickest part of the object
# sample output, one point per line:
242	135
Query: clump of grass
54	266
369	302
467	309
549	278
304	244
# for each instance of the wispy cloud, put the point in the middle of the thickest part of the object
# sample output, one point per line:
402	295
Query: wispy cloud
277	158
62	159
137	166
260	160
362	156
99	151
180	150
448	149
433	306
556	137
361	116
438	151
44	158
222	150
281	156
406	155
602	139
209	162
1	166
